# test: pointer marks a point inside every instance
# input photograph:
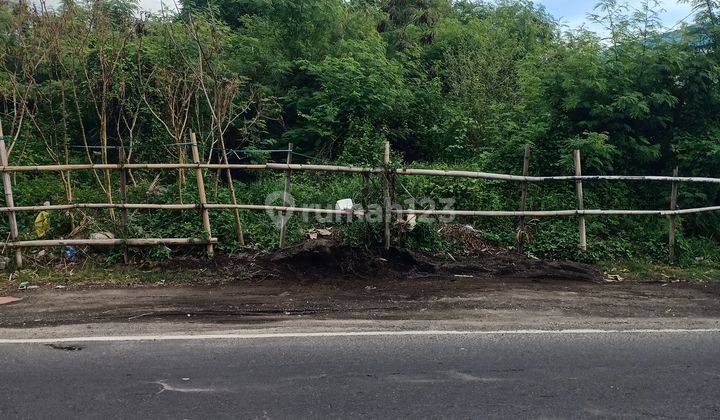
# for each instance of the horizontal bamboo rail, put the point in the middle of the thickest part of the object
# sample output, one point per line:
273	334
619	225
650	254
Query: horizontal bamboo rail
182	207
360	170
203	207
315	210
324	168
101	206
483	175
555	213
310	210
130	166
625	178
110	242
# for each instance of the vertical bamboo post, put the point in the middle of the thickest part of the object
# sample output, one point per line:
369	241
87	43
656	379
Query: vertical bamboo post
9	201
581	199
671	218
233	197
523	199
286	199
69	196
181	172
386	206
201	192
122	158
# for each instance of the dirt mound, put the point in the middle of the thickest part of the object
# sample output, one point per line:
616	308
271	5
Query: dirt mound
513	265
324	258
472	241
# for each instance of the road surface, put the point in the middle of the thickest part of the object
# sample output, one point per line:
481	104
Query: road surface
665	374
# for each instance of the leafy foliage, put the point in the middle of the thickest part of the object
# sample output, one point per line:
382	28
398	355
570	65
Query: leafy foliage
451	84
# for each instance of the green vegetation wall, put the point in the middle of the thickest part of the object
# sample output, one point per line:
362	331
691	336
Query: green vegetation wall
458	84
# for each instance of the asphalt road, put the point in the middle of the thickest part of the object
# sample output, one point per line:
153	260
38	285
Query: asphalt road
652	375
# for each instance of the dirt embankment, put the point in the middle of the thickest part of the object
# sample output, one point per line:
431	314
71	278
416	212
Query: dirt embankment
322	259
323	281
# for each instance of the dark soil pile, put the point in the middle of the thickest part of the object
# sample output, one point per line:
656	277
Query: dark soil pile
324	258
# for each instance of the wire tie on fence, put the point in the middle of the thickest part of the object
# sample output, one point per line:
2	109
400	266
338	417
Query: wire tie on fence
237	155
306	156
157	146
258	151
96	147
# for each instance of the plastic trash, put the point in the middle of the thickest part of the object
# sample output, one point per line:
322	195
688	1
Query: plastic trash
70	253
4	300
42	224
345	204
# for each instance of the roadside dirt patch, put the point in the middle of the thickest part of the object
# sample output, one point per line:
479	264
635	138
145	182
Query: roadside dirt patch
320	280
319	260
261	301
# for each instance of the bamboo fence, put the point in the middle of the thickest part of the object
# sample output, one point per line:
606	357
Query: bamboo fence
388	209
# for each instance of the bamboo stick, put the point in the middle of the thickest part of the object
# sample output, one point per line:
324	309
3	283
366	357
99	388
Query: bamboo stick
555	213
99	206
323	168
671	219
70	200
67	181
129	166
9	200
233	197
285	218
181	173
353	169
638	178
111	242
123	200
581	200
491	213
360	213
180	207
485	175
387	203
201	193
308	210
523	199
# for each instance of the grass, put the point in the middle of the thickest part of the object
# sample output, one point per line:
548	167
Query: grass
700	271
94	273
